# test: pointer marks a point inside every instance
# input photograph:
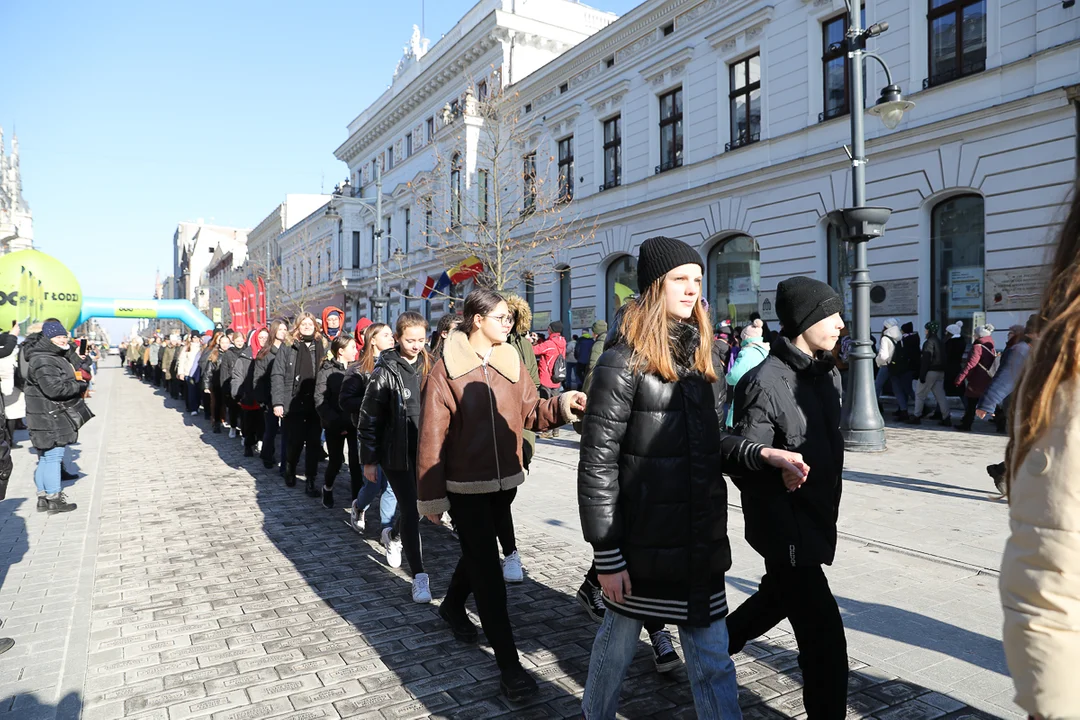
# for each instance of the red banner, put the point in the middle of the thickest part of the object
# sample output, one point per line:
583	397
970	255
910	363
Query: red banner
236	307
250	315
260	301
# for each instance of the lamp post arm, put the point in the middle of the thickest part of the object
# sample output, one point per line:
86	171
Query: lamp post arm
888	74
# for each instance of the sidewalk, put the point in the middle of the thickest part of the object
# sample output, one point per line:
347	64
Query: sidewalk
192	583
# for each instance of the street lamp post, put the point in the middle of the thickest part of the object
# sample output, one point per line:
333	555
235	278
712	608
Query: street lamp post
862	425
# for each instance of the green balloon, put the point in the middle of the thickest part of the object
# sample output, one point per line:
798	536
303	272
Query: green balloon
35	286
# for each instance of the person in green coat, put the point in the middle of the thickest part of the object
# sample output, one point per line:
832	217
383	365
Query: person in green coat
752	352
599	331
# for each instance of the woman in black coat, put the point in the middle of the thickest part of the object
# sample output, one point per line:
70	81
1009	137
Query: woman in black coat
651	492
54	409
264	365
244	392
228	362
336	423
292	390
213	391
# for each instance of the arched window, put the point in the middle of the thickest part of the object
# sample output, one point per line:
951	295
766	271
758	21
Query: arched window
455	190
734	279
621	284
564	298
957	259
841	265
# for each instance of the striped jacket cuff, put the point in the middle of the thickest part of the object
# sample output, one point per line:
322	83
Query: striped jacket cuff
609	562
750	454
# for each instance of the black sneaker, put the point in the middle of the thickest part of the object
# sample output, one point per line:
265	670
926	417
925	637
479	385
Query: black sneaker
997	473
517	685
591	597
664	655
460	625
6	644
328	498
309	488
42	503
58	504
217	428
290	477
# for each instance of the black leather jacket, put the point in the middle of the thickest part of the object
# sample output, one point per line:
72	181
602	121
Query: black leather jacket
353	386
932	358
389	425
792	401
327	391
260	379
650	481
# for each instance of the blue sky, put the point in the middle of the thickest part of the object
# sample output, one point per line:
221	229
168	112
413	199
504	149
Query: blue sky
133	116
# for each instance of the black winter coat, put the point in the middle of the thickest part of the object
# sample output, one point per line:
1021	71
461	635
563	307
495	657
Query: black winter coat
7	346
390	414
651	493
327	394
208	370
351	397
242	378
284	381
225	372
54	405
792	402
932	358
263	368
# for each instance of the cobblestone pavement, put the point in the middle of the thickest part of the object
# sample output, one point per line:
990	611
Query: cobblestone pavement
192	583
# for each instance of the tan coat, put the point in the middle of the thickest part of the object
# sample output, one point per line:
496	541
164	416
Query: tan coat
1040	570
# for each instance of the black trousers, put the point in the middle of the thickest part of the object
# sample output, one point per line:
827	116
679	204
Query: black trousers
303	430
407	527
802	595
232	408
970	405
252	423
271	424
479	571
335	450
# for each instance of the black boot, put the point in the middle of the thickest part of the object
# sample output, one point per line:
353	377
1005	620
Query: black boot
309	488
517	685
268	462
42	503
328	498
460	624
290	476
58	504
248	451
217	428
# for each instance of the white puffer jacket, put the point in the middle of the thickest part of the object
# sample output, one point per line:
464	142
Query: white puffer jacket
14	401
1040	570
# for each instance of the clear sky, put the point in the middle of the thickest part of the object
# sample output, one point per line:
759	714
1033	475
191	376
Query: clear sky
135	115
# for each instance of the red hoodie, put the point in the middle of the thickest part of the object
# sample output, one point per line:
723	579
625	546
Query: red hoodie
546	352
361	325
326	314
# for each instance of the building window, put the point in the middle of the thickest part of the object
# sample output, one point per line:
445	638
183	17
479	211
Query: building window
841	256
610	62
668	29
563	88
834	67
356	249
408	144
390	158
530	290
621	284
564	299
455	190
529	180
408	227
958	258
745	98
612	153
734	278
671	131
429	222
566	169
957	39
482	196
430	128
374	168
482	90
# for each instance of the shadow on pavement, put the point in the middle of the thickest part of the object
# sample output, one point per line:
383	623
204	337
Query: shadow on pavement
925	486
30	707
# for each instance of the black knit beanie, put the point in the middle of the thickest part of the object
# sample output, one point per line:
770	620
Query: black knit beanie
803	301
659	255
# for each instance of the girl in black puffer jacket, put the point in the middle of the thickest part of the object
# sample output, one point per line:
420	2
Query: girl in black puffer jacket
652	498
244	391
213	393
339	429
292	391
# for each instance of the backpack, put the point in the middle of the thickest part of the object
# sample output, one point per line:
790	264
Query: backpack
22	369
994	366
558	370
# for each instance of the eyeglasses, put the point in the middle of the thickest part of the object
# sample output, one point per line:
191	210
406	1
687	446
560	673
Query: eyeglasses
502	319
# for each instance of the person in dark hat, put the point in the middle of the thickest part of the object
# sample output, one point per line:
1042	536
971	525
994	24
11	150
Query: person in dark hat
651	491
794	395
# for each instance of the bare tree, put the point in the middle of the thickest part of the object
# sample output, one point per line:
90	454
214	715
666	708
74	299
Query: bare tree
498	207
293	280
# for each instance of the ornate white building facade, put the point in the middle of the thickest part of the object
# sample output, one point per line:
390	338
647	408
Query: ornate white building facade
723	123
16	220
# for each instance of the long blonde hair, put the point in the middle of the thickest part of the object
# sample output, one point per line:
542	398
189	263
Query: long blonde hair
645	326
294	335
1054	358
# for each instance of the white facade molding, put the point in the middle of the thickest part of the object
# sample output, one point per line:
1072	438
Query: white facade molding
751	27
610	99
668	70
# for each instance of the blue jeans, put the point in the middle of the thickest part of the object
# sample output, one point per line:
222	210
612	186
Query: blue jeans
711	671
47	473
902	388
881	379
388	504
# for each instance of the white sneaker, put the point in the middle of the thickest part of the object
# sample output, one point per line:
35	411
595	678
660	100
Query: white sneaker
393	549
193	413
421	592
356	518
232	433
511	567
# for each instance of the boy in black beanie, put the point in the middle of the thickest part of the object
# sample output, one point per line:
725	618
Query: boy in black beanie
793	398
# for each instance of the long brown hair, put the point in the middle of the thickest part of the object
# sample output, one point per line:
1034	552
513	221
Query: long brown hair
215	346
407	320
1054	358
274	327
645	327
371	353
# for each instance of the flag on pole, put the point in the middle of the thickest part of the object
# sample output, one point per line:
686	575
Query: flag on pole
424	285
441	285
470	267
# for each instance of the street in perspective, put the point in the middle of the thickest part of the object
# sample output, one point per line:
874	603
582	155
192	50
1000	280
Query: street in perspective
522	359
